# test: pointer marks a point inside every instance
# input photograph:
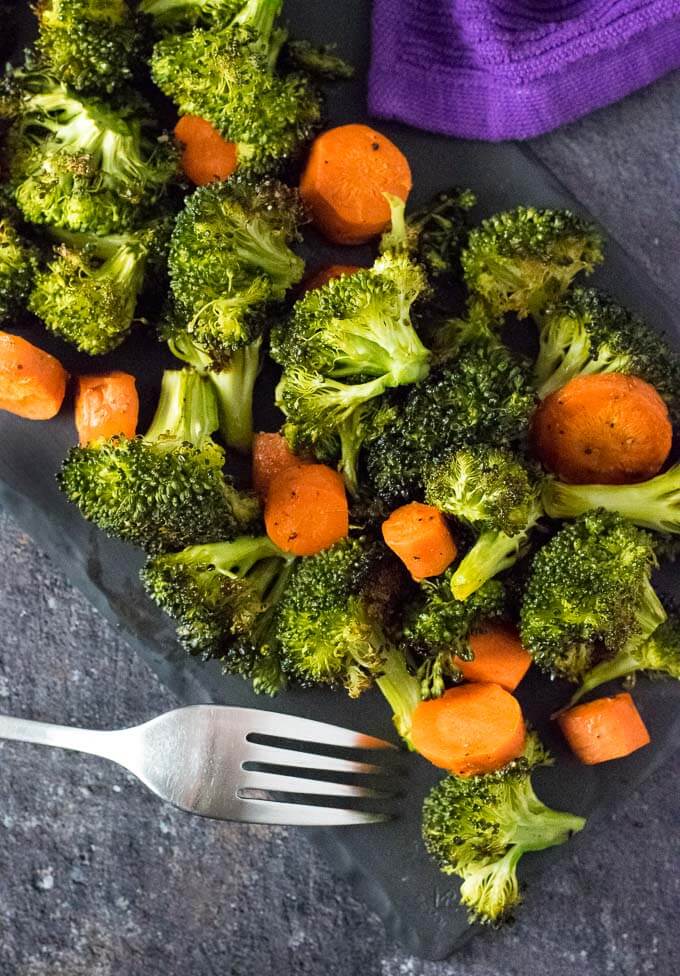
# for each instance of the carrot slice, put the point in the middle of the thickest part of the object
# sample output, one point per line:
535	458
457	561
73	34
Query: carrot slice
32	383
106	405
348	171
271	456
604	729
471	729
603	429
306	509
324	275
498	657
420	536
206	156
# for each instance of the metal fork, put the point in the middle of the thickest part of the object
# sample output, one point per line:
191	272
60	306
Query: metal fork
203	759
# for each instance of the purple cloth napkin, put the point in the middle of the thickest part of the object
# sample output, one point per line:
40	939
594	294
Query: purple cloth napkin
511	69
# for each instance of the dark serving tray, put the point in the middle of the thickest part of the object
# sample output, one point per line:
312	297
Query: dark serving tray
387	864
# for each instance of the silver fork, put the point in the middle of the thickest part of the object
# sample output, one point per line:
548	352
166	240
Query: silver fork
203	759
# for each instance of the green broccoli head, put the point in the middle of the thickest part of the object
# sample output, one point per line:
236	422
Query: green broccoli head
165	490
171	15
589	595
319	61
480	396
588	332
91	45
439	230
522	260
437	627
229	260
228	75
479	827
88	293
18	264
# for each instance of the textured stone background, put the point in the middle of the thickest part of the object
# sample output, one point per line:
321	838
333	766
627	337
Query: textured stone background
97	878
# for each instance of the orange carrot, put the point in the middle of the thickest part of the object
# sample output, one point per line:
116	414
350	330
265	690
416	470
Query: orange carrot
603	429
324	275
306	509
604	729
419	535
206	156
106	405
271	455
32	383
471	729
348	171
498	657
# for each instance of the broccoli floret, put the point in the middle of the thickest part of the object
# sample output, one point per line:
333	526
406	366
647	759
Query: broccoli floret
652	504
589	332
492	491
229	259
523	260
77	163
437	628
222	597
479	827
165	490
446	337
320	61
332	625
88	293
439	230
228	75
18	264
90	45
480	396
169	15
589	595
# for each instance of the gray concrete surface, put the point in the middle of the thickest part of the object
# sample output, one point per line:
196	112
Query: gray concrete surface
97	878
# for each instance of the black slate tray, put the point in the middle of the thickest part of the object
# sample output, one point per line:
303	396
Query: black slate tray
386	864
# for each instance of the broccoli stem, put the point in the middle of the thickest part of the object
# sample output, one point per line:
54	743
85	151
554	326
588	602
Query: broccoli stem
492	553
402	691
186	411
234	387
563	352
234	559
652	504
260	16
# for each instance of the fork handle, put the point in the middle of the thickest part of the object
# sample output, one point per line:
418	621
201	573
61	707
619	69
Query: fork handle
60	736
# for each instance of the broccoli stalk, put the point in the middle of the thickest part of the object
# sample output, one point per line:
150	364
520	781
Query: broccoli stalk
165	490
492	491
401	690
18	264
172	14
479	827
652	504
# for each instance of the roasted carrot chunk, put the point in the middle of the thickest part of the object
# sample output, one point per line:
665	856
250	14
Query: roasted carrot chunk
306	509
604	729
32	383
420	536
106	405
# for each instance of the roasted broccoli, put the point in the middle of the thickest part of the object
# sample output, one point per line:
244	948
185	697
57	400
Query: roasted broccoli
481	396
524	259
179	14
437	628
77	163
479	827
165	490
222	596
229	75
332	625
589	595
90	45
18	264
88	293
589	332
438	231
492	491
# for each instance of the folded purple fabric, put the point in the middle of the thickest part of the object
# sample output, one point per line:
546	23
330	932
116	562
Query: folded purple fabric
511	69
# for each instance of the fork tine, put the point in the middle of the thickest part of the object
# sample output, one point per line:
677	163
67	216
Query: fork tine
309	730
252	810
280	783
275	756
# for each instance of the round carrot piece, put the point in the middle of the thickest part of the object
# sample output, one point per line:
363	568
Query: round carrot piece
106	405
206	156
32	383
271	455
604	729
498	657
306	509
324	275
471	729
603	429
419	535
348	171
